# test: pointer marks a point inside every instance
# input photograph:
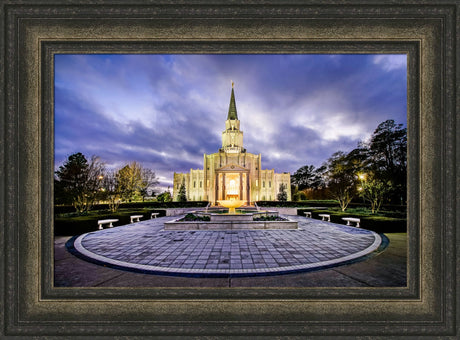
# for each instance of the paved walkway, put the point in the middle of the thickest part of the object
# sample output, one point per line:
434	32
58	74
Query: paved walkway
147	248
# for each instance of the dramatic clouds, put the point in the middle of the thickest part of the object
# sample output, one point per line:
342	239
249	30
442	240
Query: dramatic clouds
165	111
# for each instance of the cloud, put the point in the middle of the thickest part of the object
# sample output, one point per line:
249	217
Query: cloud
165	111
391	62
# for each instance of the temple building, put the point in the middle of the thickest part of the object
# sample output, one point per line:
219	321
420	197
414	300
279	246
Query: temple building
232	172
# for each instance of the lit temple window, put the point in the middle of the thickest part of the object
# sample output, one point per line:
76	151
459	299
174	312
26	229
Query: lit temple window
257	182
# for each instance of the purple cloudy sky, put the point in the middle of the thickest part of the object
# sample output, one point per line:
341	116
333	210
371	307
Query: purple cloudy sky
165	111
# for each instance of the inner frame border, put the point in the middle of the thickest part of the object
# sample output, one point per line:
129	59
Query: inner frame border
28	309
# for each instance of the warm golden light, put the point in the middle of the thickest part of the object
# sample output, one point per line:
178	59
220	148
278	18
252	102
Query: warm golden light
231	204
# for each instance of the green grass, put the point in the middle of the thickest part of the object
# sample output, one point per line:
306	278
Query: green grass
384	221
72	224
394	220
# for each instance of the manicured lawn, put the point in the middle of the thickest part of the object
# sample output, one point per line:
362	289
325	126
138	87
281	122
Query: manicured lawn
72	224
387	220
384	221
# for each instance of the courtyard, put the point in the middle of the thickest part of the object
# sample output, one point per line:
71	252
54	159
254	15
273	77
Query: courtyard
318	254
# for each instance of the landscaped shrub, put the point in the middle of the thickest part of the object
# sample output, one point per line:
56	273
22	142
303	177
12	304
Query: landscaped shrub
383	222
62	209
270	218
192	217
71	224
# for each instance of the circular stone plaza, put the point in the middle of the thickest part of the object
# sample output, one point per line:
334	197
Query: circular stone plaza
146	247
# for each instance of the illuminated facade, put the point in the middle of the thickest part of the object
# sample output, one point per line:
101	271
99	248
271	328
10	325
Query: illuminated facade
232	172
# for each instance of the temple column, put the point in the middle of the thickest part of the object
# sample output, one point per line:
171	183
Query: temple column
216	188
223	187
247	188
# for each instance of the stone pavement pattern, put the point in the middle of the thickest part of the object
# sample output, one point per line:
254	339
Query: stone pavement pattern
147	246
387	269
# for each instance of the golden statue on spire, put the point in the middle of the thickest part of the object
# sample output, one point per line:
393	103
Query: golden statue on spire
232	83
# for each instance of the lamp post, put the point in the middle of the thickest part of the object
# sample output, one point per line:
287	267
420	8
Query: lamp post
362	178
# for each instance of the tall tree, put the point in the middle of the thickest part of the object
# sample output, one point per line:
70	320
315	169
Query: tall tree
308	177
134	180
111	191
388	157
282	194
182	195
341	178
80	181
129	180
149	182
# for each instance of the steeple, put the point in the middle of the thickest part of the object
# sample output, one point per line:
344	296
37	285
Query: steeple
232	108
232	137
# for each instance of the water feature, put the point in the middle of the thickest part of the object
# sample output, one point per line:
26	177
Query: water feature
223	219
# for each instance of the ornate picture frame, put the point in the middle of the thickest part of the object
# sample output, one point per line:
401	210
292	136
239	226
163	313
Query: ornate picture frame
35	30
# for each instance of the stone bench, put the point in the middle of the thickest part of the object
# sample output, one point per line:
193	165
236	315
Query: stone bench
307	214
135	217
109	222
325	217
154	215
352	219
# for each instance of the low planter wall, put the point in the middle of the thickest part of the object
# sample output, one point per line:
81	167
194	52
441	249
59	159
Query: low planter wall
281	210
180	211
234	225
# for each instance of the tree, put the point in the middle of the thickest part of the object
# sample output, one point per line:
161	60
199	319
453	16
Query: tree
373	190
110	191
164	197
182	195
149	182
129	179
388	157
80	181
134	180
282	194
307	177
342	179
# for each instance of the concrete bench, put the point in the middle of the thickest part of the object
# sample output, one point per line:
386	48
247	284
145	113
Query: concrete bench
352	219
307	214
135	217
325	217
154	215
109	222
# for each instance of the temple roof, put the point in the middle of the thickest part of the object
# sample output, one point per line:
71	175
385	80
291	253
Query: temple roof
232	108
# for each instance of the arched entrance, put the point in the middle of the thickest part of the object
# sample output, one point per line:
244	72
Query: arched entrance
232	182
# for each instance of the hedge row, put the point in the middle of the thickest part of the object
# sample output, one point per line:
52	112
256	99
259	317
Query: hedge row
388	223
75	225
324	203
199	204
65	209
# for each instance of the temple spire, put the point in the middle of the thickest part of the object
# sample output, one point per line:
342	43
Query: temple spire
232	108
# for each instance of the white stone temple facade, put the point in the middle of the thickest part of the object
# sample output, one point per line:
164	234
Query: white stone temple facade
232	171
